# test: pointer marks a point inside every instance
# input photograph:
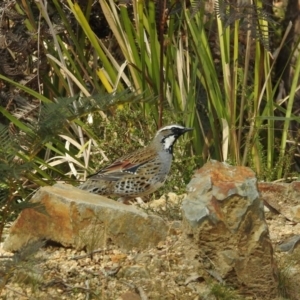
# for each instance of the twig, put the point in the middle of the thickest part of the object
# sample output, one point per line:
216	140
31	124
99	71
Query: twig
138	289
68	287
88	254
87	284
13	290
142	293
91	272
7	256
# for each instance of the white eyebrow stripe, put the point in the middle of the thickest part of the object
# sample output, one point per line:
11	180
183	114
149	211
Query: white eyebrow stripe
169	127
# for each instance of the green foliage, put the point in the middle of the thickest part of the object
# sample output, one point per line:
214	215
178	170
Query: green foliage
222	292
12	171
97	93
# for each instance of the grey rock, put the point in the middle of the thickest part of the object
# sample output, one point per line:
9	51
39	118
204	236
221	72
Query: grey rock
224	217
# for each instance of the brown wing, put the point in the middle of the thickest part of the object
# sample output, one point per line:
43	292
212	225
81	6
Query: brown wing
124	165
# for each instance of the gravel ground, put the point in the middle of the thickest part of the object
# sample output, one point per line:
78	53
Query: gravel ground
168	271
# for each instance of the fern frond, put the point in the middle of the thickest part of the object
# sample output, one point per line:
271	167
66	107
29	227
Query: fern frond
250	17
55	117
25	110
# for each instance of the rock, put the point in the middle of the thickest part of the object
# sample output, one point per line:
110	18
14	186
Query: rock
290	244
295	213
295	190
283	198
224	217
73	217
273	195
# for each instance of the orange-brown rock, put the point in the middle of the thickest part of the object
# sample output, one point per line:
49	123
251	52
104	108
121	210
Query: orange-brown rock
224	217
282	197
73	217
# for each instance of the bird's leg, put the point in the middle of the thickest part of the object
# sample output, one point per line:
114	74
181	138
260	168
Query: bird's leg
124	200
128	200
139	200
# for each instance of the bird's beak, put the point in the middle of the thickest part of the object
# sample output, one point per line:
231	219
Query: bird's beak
188	129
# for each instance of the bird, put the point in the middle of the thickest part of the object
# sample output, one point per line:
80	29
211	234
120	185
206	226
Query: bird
139	173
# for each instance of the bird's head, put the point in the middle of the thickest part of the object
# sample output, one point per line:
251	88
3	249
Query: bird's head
168	135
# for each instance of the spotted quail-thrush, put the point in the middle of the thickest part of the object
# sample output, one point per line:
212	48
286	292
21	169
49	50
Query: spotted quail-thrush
139	173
